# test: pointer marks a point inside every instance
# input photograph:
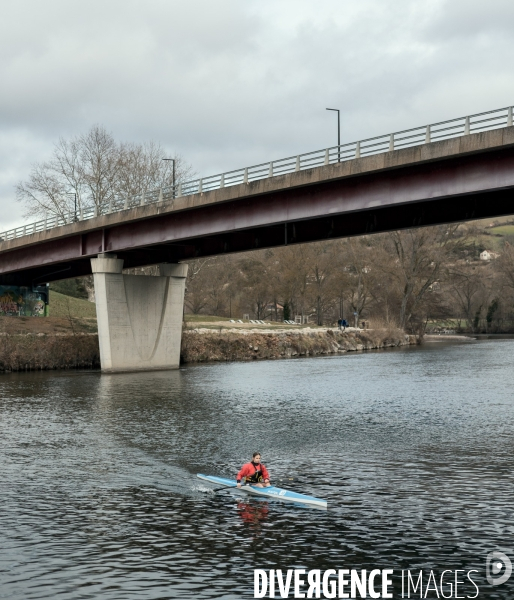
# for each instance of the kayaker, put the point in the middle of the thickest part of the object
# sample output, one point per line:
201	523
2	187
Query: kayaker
254	473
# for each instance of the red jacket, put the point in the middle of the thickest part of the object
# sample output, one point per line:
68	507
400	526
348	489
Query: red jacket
250	468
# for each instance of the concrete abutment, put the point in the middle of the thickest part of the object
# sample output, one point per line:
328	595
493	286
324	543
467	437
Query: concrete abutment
139	316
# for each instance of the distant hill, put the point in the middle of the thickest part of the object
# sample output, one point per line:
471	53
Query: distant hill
491	234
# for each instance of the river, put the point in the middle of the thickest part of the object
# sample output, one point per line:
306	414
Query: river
412	448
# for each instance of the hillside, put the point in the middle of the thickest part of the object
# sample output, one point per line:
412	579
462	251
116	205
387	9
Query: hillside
67	315
66	306
491	234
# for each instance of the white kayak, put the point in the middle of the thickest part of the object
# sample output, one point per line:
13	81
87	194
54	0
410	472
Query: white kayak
269	492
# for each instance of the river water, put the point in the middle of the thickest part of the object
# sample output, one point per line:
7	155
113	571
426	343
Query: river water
412	448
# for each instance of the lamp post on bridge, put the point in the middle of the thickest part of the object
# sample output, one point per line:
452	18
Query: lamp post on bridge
338	132
173	163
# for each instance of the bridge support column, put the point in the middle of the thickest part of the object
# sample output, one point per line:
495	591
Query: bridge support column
139	316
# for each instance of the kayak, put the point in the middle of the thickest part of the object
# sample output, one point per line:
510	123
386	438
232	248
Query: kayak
269	492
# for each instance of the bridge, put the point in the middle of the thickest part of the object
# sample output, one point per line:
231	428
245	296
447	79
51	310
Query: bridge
446	172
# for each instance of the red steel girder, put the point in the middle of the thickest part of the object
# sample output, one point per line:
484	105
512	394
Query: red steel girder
459	188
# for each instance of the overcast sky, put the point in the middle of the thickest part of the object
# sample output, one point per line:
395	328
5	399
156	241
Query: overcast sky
229	83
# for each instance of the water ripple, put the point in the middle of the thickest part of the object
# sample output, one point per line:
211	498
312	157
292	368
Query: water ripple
413	449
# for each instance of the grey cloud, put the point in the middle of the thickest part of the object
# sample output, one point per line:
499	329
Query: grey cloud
456	19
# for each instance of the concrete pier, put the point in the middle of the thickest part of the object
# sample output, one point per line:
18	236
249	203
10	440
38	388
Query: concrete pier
139	316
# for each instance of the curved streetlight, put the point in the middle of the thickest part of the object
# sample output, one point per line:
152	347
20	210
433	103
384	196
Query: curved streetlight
338	132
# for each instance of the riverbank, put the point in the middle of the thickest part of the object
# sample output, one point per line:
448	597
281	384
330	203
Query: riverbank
41	352
205	345
455	337
79	350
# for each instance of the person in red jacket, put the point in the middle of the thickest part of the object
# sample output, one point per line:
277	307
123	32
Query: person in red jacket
254	473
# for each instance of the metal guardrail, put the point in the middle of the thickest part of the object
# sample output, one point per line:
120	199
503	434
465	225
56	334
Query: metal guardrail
494	119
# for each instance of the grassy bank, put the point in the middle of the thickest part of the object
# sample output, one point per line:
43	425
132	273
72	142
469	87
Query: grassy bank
69	307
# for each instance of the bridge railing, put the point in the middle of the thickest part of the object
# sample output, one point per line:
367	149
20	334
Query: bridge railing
494	119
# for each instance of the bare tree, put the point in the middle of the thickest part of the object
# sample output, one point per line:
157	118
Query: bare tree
505	264
255	282
420	257
43	192
296	267
359	276
322	260
196	293
94	170
99	163
468	287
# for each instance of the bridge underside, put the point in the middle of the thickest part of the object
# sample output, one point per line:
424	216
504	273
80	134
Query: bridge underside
405	216
451	190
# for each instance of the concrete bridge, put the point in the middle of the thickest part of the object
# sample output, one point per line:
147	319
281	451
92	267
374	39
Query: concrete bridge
468	176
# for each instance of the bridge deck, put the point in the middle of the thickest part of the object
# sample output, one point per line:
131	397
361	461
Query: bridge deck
463	178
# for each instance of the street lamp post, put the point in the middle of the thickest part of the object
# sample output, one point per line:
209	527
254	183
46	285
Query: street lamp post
338	133
173	163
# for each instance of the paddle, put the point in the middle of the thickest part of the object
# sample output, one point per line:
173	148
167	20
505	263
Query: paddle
220	489
227	487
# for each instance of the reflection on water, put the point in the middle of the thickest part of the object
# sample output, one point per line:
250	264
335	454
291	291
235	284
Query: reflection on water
252	514
413	449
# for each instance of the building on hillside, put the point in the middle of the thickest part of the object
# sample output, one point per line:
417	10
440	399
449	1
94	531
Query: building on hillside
23	301
488	255
301	319
272	307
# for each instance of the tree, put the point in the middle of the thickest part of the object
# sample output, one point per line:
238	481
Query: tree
468	287
255	282
294	265
359	276
322	266
196	294
505	264
419	262
94	171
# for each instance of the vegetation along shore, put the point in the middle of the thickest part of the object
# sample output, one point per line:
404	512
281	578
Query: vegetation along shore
67	342
208	345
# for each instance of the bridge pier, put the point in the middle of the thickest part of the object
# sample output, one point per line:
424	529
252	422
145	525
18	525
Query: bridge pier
139	316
